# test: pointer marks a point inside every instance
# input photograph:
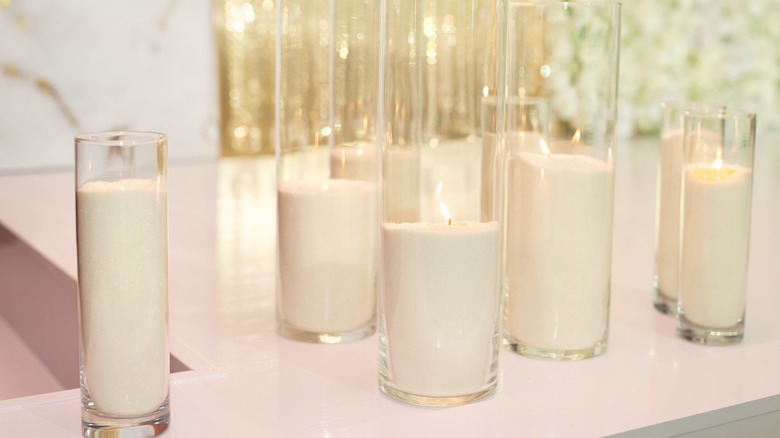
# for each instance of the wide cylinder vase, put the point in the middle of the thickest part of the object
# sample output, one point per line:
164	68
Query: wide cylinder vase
440	246
122	240
561	63
717	180
327	154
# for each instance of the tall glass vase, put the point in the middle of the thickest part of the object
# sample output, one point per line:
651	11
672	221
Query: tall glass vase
560	177
440	247
122	240
715	203
327	169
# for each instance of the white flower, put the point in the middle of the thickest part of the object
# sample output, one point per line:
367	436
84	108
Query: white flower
699	50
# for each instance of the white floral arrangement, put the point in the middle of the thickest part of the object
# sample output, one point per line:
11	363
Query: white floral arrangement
706	50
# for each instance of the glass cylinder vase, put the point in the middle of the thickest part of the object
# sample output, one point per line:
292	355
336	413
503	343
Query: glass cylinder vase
717	180
667	222
122	240
440	252
327	169
560	179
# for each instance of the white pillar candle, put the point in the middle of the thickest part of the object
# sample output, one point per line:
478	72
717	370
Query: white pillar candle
668	213
327	254
123	294
440	304
559	229
714	243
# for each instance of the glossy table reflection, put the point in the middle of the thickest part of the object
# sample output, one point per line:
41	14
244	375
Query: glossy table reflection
244	380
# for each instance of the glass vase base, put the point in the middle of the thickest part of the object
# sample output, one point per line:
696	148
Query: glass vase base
95	425
296	334
435	402
662	303
709	336
516	346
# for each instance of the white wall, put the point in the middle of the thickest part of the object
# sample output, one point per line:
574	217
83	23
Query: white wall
91	65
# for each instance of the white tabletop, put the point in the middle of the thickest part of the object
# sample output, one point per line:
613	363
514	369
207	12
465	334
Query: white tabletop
245	380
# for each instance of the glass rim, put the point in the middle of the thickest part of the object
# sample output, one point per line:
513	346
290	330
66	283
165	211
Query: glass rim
565	3
722	115
117	138
514	99
693	105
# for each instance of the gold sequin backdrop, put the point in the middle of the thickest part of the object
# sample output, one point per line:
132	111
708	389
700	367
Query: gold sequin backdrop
245	32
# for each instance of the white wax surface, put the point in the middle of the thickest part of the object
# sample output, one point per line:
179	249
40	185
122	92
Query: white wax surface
123	294
559	242
328	232
440	305
668	212
714	246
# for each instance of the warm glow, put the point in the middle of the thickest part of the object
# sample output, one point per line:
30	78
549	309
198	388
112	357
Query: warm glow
715	171
439	187
446	213
576	137
718	163
543	147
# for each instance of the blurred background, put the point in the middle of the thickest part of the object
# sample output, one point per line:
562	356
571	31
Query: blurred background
202	71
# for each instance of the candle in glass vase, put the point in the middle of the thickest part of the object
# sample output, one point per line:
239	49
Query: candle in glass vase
439	307
559	225
716	220
326	244
558	193
123	291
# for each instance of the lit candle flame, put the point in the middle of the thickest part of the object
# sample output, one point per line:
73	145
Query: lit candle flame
576	137
543	147
446	213
718	163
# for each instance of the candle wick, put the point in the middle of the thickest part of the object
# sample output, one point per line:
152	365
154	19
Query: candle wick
449	221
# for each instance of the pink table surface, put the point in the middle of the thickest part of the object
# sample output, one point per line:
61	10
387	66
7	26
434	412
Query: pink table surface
247	381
